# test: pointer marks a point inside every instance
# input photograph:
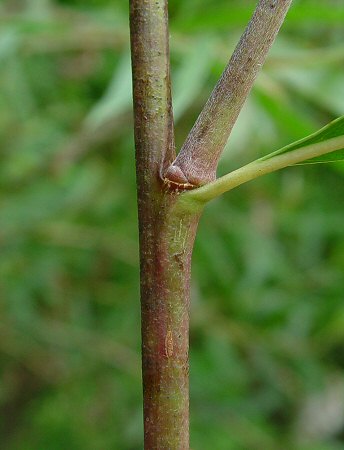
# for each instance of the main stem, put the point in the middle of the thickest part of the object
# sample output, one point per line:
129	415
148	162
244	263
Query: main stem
166	248
166	234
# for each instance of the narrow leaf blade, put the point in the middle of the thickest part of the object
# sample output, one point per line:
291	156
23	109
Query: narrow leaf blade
334	129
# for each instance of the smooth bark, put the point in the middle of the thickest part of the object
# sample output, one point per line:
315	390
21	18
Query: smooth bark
166	237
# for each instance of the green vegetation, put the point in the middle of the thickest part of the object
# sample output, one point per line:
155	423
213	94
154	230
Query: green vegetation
267	329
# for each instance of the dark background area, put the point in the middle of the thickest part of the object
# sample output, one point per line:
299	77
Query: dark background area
267	315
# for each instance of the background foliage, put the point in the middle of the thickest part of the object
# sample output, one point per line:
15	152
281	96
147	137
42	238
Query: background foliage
267	353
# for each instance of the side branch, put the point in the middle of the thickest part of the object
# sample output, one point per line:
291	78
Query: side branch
198	159
151	88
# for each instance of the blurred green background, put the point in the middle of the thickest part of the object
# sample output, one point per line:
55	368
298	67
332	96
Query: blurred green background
267	319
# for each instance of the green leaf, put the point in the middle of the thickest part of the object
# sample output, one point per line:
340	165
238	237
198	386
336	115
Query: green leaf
333	130
326	145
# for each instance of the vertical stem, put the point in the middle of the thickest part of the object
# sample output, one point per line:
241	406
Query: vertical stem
165	293
154	137
166	237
